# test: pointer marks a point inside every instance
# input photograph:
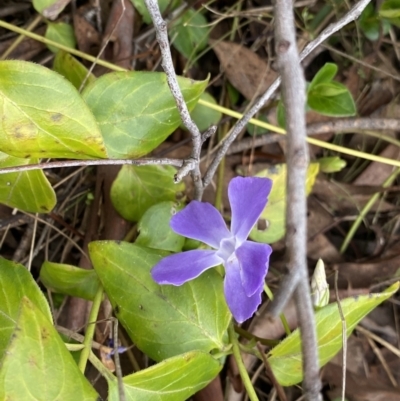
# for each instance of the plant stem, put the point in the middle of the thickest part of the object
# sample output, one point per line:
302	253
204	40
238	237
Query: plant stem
242	369
87	342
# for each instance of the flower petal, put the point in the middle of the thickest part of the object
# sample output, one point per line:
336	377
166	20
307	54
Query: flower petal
201	221
253	261
241	306
248	197
181	267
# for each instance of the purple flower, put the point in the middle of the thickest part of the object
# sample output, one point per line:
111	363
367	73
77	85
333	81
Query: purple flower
245	262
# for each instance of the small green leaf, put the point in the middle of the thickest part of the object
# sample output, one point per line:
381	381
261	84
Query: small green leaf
29	191
286	360
163	321
62	33
331	164
16	282
72	69
274	212
331	99
43	115
324	75
136	111
155	231
136	188
174	379
50	8
163	4
390	9
203	116
255	130
189	33
328	97
370	23
37	365
70	280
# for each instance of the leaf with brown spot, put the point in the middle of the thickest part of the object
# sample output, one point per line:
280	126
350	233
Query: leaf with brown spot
246	71
37	365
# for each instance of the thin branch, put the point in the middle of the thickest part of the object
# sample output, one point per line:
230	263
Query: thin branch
294	98
96	162
162	38
335	126
352	15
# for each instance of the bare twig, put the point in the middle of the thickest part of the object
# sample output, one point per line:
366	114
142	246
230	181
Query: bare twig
352	15
96	162
294	97
168	66
336	126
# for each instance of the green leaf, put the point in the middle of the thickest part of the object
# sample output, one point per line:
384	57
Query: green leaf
136	188
163	4
203	116
331	99
50	8
43	115
189	33
324	75
328	97
370	23
37	365
70	280
155	231
163	321
390	9
174	379
62	33
16	282
29	191
274	212
136	111
331	164
286	360
255	130
72	69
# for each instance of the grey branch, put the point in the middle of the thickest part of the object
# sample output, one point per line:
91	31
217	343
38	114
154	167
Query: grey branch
297	159
352	15
160	27
95	162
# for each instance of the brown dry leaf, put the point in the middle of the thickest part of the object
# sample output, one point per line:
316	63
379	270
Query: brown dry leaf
363	275
360	388
376	173
246	71
87	37
318	245
345	198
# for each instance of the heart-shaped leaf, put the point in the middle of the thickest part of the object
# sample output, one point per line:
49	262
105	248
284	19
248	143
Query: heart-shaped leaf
70	280
37	366
174	379
286	360
43	115
136	111
29	191
163	321
137	188
15	283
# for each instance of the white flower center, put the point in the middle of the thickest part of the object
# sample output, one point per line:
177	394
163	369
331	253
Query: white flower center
227	248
